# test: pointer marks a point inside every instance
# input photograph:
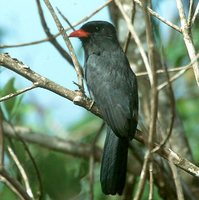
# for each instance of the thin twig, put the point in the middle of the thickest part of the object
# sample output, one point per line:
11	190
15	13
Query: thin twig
22	172
78	68
92	161
40	186
153	102
126	45
136	38
195	13
1	140
18	92
65	19
190	15
172	106
154	91
153	13
143	175
53	41
57	34
188	39
13	185
91	177
151	181
180	73
162	71
177	182
173	78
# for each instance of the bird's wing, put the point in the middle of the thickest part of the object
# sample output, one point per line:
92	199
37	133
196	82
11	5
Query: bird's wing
113	88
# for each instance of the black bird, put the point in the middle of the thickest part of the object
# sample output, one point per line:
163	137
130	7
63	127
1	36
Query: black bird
113	86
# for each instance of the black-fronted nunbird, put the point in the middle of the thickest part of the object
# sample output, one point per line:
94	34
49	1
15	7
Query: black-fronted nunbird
113	86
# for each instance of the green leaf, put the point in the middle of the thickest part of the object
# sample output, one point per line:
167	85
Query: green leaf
10	105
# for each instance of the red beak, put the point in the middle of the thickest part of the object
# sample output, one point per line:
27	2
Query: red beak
80	34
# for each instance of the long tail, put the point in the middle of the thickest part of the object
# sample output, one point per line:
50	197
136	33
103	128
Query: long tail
114	164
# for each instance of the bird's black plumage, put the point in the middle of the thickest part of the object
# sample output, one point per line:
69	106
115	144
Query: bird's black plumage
113	86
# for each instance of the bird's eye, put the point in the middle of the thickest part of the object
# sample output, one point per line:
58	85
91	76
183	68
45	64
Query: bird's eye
97	28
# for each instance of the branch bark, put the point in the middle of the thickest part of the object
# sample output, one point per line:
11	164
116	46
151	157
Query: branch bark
186	31
77	66
84	150
53	40
42	82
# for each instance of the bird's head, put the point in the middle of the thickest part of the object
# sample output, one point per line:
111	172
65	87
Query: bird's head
95	29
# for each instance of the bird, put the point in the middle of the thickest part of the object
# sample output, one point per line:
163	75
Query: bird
113	86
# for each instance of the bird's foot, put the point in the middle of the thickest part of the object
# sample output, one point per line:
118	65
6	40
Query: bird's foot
80	87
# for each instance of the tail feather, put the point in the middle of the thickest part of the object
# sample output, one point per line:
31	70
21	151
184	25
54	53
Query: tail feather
114	164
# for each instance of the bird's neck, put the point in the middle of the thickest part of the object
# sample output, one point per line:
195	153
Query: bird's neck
99	46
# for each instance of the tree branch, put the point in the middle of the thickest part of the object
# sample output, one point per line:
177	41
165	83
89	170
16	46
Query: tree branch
18	92
57	34
23	70
13	185
195	13
136	38
186	31
77	66
83	150
53	40
1	140
153	13
70	147
22	172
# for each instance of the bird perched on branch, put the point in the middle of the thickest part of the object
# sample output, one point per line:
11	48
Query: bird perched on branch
113	86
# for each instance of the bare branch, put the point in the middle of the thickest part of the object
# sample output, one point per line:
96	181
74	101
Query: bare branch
172	103
21	69
168	154
22	172
1	140
177	75
78	68
65	19
13	185
92	161
154	91
136	38
151	181
53	143
153	102
143	176
195	13
127	42
18	92
38	175
83	150
53	41
162	71
188	39
190	15
173	78
153	13
177	182
57	34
